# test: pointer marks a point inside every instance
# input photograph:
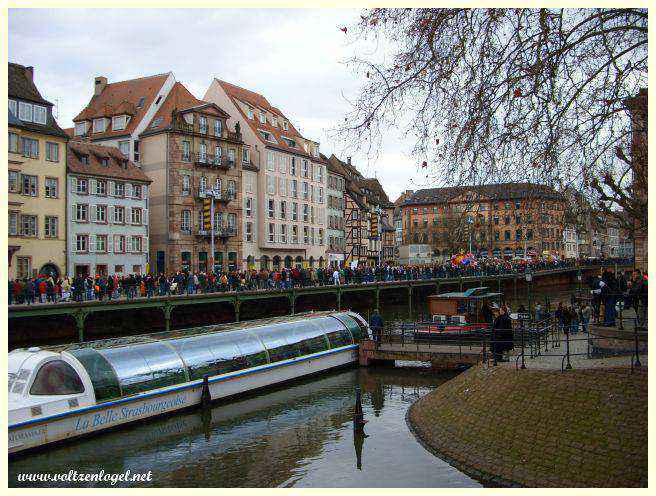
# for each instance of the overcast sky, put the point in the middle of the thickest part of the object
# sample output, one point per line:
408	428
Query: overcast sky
295	58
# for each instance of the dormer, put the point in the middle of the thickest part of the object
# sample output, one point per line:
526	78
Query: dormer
249	112
100	125
285	125
262	116
120	122
81	128
274	121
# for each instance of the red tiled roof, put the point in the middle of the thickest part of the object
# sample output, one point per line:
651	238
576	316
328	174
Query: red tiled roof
123	98
77	149
179	99
70	131
258	101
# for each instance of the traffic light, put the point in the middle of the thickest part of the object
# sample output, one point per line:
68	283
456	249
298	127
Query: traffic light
207	214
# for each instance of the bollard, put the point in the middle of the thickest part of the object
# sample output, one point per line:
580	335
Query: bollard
205	396
635	336
569	365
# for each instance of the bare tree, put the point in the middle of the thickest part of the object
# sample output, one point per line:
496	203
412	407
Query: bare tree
490	95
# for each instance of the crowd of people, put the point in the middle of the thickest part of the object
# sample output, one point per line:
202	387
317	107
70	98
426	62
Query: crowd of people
46	289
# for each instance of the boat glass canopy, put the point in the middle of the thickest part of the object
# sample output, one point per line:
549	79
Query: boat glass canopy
148	362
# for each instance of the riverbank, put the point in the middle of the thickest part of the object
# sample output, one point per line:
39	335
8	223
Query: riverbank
539	428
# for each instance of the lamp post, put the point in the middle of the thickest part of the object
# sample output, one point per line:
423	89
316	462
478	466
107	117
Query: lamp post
529	278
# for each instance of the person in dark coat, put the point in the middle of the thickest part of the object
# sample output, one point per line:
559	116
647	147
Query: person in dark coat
486	313
502	335
376	325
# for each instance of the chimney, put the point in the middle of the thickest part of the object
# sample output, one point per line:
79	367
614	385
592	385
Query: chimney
348	160
99	85
29	72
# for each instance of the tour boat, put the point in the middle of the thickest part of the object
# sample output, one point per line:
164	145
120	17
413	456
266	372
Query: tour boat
62	392
457	315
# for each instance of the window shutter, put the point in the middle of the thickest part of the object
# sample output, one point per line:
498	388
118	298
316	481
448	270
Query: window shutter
93	213
128	244
73	212
92	186
128	189
110	214
109	244
92	243
145	216
73	184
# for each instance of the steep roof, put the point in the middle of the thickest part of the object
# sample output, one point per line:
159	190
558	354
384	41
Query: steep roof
377	194
95	153
70	132
21	84
258	101
178	99
22	87
123	97
500	191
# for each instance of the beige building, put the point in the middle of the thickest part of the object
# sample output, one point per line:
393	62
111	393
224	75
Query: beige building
284	199
37	181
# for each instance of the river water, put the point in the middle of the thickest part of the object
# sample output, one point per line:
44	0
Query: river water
300	435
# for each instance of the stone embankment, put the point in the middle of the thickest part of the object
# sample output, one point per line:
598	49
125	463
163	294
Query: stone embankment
585	427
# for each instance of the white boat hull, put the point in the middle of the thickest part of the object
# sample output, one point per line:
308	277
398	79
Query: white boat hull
82	421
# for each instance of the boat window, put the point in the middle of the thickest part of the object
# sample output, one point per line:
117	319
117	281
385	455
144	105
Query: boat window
219	353
275	341
310	337
143	367
104	380
336	332
56	377
352	325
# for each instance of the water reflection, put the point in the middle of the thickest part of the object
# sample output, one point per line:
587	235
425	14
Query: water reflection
301	435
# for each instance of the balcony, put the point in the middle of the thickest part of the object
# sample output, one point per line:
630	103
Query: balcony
222	232
225	195
213	161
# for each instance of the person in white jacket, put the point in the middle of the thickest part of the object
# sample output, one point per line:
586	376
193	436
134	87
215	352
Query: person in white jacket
336	277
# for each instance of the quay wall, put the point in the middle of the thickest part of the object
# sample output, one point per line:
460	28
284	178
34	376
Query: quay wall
539	428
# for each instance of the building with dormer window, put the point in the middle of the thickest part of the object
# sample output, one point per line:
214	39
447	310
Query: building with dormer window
36	182
107	212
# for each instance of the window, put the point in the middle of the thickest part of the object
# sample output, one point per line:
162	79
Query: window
81	186
283	233
186	182
271	161
202	153
245	156
294	188
30	147
23	267
25	111
119	122
136	191
249	232
506	235
101	243
306	190
80	128
55	378
119	215
282	186
124	147
40	114
202	124
136	216
319	173
249	112
13	223
186	156
272	233
101	213
271	208
217	128
52	152
304	169
249	207
136	244
82	212
294	234
51	187
262	118
320	195
231	156
13	182
185	223
119	189
283	208
271	185
285	125
12	107
496	236
306	235
518	235
119	244
13	143
292	166
30	185
294	211
29	225
99	126
137	154
81	242
306	212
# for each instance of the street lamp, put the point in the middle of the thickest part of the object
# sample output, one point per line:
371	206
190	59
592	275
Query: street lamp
529	278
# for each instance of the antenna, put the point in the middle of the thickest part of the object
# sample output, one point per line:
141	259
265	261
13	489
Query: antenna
55	110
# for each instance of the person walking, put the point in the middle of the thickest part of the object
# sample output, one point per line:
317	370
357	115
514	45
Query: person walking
376	325
502	335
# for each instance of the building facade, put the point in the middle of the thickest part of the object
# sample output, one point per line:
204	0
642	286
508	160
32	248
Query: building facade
289	188
501	220
107	202
36	181
188	151
335	250
570	242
